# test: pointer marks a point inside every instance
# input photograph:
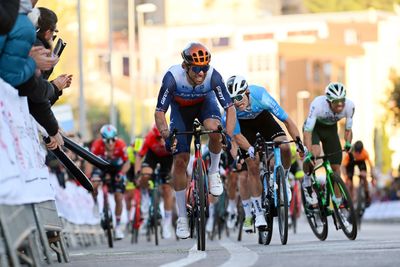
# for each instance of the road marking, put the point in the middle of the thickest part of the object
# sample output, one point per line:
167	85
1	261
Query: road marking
240	255
194	255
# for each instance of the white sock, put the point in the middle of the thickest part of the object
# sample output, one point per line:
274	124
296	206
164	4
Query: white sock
257	205
214	166
232	205
181	202
306	181
211	210
247	207
168	216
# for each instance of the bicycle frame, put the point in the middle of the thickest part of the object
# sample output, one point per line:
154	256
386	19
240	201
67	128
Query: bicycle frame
325	199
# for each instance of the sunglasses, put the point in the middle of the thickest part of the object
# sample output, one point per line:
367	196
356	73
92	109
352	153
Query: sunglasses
238	97
338	101
109	140
198	69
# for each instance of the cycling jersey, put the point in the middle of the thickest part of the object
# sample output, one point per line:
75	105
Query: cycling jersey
153	142
134	148
176	89
119	155
358	157
321	112
260	100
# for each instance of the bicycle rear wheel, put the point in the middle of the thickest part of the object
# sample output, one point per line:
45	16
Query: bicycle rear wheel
201	206
282	205
344	211
315	217
108	224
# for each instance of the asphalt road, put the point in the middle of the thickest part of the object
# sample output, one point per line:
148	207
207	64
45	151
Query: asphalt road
376	245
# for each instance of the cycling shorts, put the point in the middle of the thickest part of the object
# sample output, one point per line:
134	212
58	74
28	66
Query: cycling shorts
351	165
182	119
264	124
328	136
151	160
114	185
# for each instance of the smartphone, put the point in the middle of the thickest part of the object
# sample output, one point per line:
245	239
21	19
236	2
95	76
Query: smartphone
60	45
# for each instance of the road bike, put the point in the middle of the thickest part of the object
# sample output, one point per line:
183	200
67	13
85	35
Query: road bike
332	193
197	195
274	196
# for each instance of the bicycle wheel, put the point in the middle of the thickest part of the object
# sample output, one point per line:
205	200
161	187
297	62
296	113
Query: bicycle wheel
108	224
201	206
240	220
268	214
156	215
315	217
282	205
344	211
361	200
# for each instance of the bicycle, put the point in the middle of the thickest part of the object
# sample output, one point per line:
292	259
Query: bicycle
135	219
153	223
220	216
343	211
363	199
274	196
197	197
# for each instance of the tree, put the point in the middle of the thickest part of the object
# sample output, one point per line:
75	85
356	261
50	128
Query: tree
316	6
394	99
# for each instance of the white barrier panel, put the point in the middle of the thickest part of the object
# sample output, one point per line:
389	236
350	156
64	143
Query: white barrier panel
24	178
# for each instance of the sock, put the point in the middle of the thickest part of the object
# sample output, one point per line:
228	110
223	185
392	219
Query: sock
211	210
214	166
232	205
306	181
247	207
257	205
181	202
168	216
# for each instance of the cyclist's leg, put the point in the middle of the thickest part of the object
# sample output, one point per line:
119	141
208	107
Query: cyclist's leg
118	187
363	176
166	190
349	178
244	193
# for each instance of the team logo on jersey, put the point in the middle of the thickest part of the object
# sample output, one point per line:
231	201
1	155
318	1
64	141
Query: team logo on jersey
164	97
220	94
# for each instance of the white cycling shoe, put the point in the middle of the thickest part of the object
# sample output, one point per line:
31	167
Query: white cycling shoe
182	228
216	186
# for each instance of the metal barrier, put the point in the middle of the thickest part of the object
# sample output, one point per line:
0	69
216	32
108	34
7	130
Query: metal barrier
50	230
19	230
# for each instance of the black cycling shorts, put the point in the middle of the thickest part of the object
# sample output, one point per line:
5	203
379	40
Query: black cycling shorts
264	124
151	160
350	167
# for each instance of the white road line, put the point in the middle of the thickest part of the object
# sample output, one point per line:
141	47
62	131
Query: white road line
194	255
240	256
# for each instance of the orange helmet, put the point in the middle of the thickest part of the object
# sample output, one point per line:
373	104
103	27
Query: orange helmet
196	54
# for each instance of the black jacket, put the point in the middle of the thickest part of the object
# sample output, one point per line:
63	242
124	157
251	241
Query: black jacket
8	15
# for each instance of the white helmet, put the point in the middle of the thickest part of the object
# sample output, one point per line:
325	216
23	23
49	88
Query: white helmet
236	85
335	91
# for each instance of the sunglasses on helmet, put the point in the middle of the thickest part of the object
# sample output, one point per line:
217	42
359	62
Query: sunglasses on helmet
198	69
109	140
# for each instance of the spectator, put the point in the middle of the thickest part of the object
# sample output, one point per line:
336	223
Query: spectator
8	15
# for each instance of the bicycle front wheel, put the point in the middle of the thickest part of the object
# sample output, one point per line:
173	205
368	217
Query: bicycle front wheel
344	211
282	205
315	217
201	206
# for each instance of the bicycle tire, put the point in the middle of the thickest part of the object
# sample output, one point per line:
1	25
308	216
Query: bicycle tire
155	215
321	233
348	206
282	207
240	221
201	206
268	214
361	200
108	224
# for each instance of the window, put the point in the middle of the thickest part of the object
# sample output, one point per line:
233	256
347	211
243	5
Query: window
104	63
220	42
327	72
125	66
259	62
350	37
317	72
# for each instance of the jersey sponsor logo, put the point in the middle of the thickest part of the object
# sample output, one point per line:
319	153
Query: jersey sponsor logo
220	94
164	97
311	112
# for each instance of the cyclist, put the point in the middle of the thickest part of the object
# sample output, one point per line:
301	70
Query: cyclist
192	89
113	149
255	107
358	156
321	126
153	152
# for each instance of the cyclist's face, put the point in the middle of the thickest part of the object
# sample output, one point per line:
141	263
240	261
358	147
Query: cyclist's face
338	106
242	104
109	143
197	74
